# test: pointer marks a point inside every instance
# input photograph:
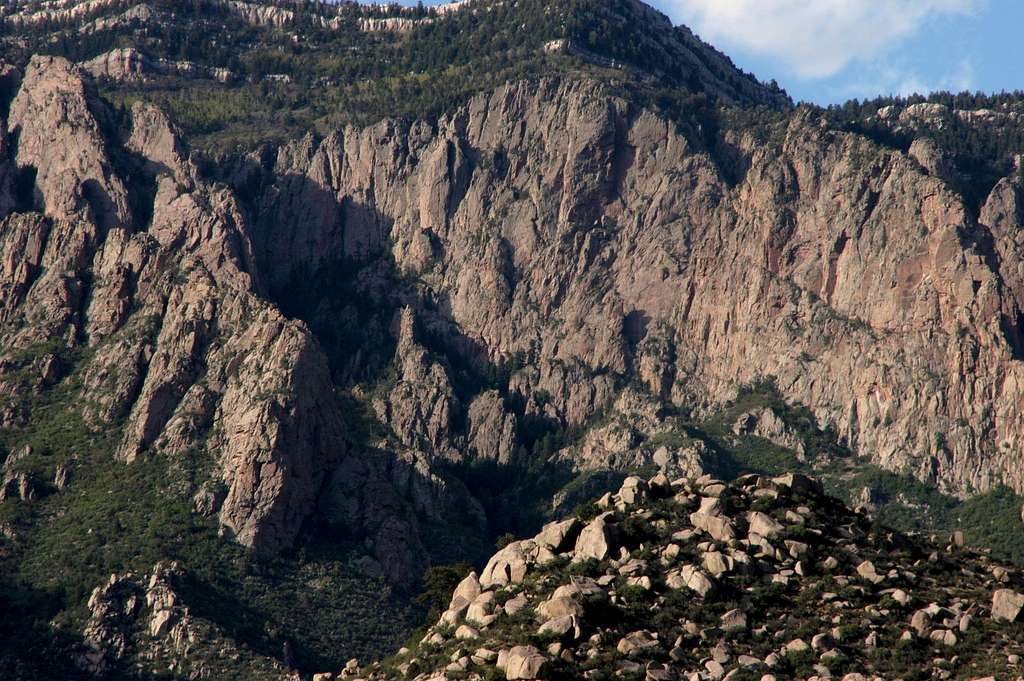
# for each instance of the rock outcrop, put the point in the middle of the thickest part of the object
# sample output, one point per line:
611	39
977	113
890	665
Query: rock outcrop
148	616
421	406
766	424
806	589
1007	605
59	140
129	65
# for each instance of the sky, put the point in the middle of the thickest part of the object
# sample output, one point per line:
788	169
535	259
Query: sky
829	51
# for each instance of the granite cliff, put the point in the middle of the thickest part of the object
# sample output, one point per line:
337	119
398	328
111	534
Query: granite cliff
153	290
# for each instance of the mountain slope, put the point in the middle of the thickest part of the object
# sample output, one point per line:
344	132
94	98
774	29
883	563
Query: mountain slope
360	344
615	250
243	72
132	323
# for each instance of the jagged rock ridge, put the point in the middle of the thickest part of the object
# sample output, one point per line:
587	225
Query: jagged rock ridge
548	257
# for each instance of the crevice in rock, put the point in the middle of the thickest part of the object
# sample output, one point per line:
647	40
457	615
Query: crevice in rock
833	262
634	326
1012	328
141	184
623	155
26	195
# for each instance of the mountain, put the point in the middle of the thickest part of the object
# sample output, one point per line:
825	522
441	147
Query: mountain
299	300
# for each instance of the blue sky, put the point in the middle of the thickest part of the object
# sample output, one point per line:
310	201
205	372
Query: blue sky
828	51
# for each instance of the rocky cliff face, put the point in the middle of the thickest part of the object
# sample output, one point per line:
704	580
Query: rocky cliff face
563	234
129	65
566	226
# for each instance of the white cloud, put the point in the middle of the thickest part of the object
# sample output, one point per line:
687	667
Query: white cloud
812	38
888	79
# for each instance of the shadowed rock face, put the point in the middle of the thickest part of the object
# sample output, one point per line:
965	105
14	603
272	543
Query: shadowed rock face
183	354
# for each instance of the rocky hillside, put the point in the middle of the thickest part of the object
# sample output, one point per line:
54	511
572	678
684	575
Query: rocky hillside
275	353
763	578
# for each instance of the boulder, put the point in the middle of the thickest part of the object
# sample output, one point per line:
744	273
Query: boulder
524	662
821	642
920	622
633	491
481	609
485	656
564	627
695	580
595	540
717	563
715	670
578	588
515	604
1007	605
797	549
710	506
714	490
468	589
867	572
507	566
559	606
796	646
558	536
720	528
763	524
801	484
467	633
637	642
458	666
943	637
